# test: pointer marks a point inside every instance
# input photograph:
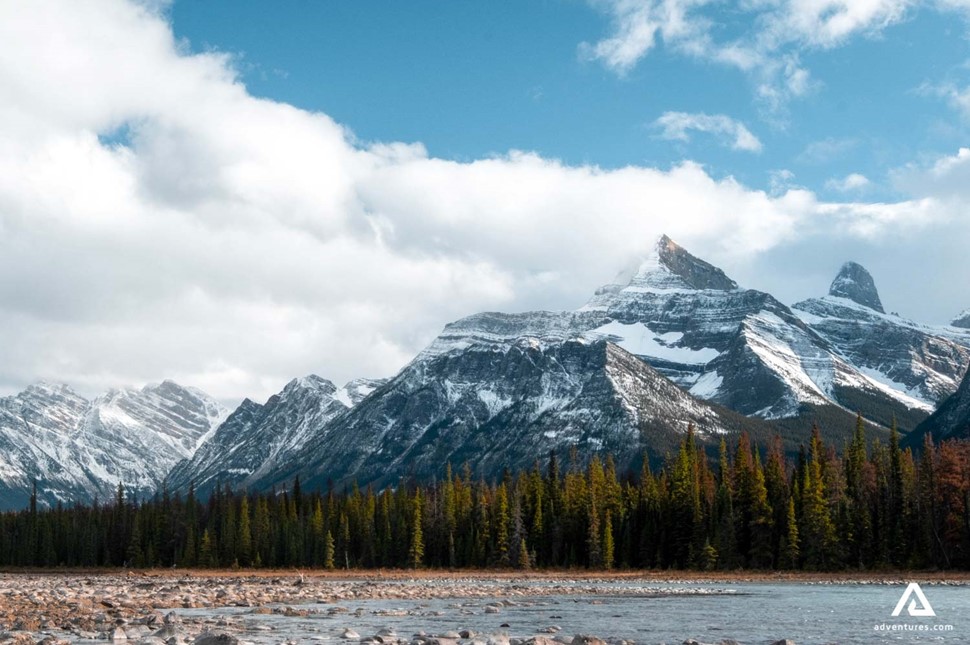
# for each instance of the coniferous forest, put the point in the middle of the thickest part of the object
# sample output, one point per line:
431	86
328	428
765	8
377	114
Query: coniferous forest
865	506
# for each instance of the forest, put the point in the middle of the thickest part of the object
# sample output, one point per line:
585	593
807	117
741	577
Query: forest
864	506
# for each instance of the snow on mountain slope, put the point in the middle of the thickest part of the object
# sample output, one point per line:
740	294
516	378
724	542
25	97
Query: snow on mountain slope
738	347
950	421
962	321
257	440
918	365
77	449
499	406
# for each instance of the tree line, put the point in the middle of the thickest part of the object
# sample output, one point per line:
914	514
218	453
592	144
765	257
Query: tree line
869	506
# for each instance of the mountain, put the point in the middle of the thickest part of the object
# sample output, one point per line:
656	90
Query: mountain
500	390
950	421
77	450
738	347
505	405
962	321
919	365
258	440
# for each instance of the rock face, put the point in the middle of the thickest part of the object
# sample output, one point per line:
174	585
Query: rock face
76	449
921	365
259	440
950	421
504	405
962	321
856	284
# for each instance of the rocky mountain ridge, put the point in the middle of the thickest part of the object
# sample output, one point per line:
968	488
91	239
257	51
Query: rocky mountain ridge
77	449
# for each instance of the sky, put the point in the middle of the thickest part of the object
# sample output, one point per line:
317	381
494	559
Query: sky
233	194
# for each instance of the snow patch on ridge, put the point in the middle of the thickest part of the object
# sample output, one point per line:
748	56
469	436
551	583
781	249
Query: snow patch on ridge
639	340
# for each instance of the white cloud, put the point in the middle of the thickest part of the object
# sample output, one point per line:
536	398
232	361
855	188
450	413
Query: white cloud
675	126
852	182
958	97
235	242
637	25
826	150
769	49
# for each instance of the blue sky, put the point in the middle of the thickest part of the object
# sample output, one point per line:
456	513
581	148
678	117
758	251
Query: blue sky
232	194
472	79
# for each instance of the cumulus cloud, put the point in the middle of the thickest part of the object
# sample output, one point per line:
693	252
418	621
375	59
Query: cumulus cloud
675	126
157	220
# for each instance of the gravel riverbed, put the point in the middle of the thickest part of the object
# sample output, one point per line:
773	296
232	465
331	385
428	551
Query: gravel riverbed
172	609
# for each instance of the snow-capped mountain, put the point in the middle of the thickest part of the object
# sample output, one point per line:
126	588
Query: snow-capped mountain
962	321
919	364
950	421
500	391
737	347
77	450
497	405
259	440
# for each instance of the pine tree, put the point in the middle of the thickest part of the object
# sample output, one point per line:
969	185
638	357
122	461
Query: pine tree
791	542
244	536
502	526
524	559
329	548
608	546
594	546
416	549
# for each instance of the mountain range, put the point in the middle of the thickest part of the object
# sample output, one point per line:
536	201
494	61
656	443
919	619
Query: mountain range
671	341
76	449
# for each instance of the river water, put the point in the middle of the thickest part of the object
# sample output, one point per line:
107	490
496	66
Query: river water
751	613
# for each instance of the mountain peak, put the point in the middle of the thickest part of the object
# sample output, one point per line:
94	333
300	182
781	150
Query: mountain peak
693	272
962	320
668	267
312	383
856	284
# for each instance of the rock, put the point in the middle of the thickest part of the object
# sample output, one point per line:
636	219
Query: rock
350	634
215	638
541	640
21	639
491	609
168	631
466	633
551	629
117	634
784	641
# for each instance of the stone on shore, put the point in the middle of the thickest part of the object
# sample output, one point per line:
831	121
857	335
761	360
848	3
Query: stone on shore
215	638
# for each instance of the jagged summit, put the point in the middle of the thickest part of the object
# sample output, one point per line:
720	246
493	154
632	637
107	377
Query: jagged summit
962	320
694	272
668	267
856	284
310	382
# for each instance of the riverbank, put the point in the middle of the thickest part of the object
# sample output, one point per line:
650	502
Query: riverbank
182	605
